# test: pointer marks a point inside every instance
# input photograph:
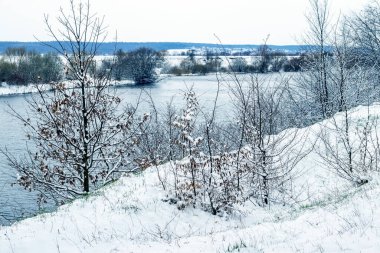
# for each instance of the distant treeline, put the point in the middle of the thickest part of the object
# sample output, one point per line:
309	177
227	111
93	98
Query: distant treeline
263	60
19	66
108	48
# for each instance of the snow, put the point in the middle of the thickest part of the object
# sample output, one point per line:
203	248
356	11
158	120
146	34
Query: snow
129	215
6	89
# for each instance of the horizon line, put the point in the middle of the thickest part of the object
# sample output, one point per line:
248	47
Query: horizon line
160	42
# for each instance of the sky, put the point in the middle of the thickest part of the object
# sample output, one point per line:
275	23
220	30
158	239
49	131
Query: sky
233	22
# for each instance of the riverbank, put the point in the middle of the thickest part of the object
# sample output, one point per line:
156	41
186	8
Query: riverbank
6	89
330	215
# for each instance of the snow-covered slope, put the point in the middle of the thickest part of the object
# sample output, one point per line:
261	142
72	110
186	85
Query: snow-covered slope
130	216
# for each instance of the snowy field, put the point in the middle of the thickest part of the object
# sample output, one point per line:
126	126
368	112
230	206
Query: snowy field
329	215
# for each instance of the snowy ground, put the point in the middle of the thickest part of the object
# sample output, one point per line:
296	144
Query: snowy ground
130	216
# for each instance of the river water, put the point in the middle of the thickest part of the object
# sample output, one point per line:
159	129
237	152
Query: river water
16	203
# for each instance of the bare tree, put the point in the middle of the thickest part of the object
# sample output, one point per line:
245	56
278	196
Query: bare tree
341	75
364	30
269	156
264	54
82	139
349	148
365	33
315	80
239	64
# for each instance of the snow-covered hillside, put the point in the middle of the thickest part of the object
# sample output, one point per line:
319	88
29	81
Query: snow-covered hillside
331	215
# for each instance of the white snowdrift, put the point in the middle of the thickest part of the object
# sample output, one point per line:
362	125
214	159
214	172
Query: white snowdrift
130	216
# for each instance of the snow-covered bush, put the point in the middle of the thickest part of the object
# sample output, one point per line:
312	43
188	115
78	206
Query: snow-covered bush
214	188
351	148
216	179
189	145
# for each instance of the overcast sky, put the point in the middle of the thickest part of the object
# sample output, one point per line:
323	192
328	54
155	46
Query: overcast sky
234	21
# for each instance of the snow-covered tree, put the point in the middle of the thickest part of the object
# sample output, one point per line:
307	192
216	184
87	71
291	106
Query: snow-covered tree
81	138
266	156
315	84
141	65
